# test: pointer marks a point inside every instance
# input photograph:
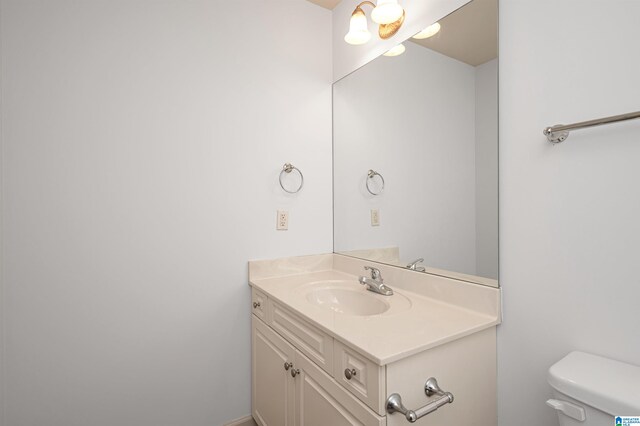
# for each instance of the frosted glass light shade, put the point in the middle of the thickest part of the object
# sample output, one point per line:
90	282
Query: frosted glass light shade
430	31
395	51
386	12
358	31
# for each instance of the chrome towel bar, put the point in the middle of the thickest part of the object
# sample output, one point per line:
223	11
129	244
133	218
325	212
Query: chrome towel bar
560	132
394	402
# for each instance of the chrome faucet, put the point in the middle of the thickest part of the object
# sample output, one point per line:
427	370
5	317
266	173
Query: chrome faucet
414	265
375	283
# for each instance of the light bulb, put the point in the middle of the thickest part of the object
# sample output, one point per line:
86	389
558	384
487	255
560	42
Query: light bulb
386	12
395	51
358	31
430	31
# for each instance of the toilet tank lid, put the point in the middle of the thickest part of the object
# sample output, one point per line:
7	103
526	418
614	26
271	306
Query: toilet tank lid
608	385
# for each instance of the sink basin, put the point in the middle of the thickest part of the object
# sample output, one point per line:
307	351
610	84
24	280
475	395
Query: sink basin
348	301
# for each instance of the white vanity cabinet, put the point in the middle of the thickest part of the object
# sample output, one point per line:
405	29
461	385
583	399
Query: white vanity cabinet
315	365
290	389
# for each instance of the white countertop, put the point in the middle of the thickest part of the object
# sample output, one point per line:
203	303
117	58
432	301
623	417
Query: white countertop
414	322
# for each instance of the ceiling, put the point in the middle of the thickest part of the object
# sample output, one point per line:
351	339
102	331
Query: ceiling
327	4
470	34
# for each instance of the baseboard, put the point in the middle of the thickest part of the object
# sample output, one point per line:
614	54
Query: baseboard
245	421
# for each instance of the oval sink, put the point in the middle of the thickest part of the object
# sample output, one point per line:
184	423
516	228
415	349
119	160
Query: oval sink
347	301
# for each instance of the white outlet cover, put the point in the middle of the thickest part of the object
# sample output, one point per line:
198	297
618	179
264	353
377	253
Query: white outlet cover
282	220
375	217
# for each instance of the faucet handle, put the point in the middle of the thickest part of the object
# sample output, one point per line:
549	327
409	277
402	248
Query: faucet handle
412	265
375	273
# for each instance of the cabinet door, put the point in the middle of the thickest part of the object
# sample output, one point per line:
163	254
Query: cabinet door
320	401
272	387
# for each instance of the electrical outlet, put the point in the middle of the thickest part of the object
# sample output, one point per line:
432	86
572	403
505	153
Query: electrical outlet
375	217
282	222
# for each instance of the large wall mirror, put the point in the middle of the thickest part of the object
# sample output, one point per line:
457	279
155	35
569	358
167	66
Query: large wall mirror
416	152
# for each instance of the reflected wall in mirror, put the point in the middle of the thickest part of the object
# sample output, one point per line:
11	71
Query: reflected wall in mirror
427	122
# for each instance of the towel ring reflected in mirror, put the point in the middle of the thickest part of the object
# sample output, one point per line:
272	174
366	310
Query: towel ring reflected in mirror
287	169
371	174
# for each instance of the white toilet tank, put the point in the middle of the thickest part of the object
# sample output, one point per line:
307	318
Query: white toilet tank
590	390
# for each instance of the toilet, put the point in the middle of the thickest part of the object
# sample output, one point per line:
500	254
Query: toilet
590	390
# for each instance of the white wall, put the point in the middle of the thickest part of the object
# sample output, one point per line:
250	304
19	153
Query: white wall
569	228
411	118
141	143
486	167
419	15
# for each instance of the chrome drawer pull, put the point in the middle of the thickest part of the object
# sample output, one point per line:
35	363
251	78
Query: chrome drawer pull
394	402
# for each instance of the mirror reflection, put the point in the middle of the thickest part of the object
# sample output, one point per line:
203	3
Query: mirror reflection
416	151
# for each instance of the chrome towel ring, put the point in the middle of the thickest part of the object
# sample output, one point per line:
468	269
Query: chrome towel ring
288	168
370	175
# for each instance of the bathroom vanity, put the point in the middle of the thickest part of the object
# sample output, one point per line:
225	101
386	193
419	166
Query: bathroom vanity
415	196
326	351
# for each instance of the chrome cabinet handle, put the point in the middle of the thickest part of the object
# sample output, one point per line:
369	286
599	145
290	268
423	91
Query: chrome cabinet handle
256	305
295	372
394	402
349	373
288	365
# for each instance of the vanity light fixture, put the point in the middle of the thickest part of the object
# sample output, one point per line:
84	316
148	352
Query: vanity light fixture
430	31
388	14
395	51
358	31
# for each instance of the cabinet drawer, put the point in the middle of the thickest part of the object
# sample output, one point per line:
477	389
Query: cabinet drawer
307	338
361	377
320	401
259	304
